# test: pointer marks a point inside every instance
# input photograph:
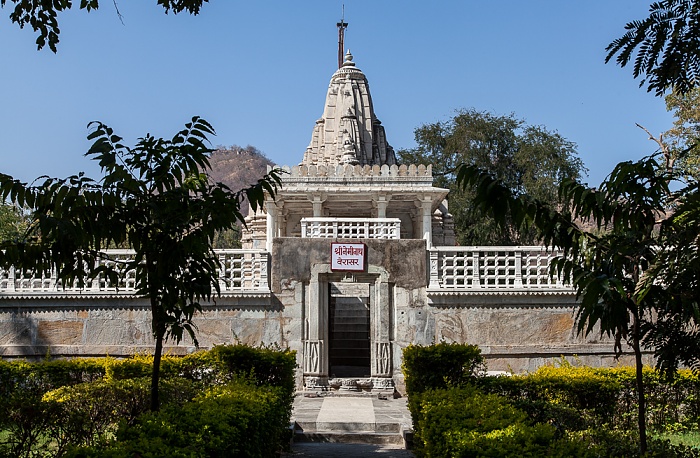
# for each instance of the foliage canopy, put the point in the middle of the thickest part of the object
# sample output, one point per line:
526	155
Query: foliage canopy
527	159
663	46
42	15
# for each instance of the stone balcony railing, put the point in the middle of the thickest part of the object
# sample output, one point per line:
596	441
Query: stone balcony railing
351	228
240	271
483	269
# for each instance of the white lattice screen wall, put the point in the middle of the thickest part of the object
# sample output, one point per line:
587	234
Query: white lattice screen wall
492	267
240	270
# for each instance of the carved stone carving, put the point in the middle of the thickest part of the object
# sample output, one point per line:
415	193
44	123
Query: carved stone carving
382	384
312	356
315	384
383	358
348	384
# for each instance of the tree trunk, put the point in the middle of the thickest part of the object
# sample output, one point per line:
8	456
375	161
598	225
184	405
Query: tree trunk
159	333
158	327
641	400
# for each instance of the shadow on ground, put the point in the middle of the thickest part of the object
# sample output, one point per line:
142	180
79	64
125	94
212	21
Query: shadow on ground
335	450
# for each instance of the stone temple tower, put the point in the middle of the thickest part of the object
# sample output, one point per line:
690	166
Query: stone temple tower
349	132
349	170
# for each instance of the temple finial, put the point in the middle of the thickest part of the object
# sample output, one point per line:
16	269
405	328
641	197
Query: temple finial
342	25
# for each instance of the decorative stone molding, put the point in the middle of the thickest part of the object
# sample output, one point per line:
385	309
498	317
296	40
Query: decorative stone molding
345	171
383	359
348	384
315	383
313	350
382	384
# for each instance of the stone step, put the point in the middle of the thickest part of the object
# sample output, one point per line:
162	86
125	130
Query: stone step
351	335
357	320
347	427
359	437
350	344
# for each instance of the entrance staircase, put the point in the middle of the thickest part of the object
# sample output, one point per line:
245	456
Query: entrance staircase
378	420
349	351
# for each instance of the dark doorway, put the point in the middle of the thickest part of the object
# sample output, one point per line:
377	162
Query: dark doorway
349	326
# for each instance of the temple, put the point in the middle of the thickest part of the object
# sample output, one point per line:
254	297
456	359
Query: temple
349	263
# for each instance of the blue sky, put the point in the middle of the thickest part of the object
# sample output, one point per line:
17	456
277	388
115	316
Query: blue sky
258	71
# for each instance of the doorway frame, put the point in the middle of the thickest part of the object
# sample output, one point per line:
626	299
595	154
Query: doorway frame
315	333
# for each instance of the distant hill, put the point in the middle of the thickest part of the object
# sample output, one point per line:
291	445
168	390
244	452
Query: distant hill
238	167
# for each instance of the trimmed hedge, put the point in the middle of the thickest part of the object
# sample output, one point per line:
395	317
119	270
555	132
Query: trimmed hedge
464	422
578	398
555	411
49	405
239	419
440	365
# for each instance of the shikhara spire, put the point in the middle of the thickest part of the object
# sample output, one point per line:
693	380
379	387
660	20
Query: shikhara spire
349	132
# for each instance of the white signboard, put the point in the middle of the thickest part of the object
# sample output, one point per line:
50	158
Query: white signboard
348	256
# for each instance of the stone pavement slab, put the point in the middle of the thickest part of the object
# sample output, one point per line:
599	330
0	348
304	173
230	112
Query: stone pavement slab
346	414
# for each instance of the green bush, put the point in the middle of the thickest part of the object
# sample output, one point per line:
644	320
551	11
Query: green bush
554	411
239	420
440	366
50	405
464	422
571	399
578	398
267	366
25	419
223	363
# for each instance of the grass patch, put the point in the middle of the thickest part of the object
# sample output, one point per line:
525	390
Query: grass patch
688	438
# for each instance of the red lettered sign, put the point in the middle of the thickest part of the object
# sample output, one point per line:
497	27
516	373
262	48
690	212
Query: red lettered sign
348	256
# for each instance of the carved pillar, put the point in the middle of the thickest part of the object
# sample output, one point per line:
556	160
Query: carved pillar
434	273
381	318
382	202
271	224
264	284
427	216
317	202
518	268
315	351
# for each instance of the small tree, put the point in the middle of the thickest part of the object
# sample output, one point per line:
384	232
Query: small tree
157	197
629	271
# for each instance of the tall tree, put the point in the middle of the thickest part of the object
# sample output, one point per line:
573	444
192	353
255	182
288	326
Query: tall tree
664	46
683	138
528	159
12	221
157	197
630	271
42	15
